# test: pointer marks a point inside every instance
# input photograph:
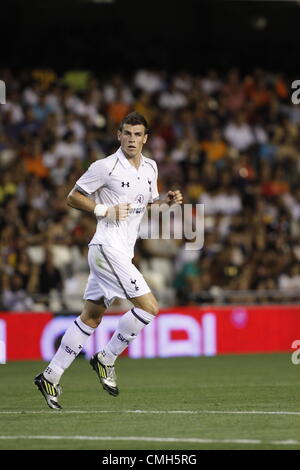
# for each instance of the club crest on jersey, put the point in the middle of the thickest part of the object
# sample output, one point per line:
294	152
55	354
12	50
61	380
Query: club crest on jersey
125	184
139	199
149	182
133	281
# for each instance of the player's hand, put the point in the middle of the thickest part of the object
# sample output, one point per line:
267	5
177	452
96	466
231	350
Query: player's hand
174	197
118	212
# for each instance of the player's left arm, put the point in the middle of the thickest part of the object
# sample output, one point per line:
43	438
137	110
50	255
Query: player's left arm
173	197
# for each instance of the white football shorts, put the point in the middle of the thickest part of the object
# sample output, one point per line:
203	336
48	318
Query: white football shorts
112	274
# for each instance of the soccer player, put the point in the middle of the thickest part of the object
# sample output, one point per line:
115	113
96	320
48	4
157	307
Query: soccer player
118	190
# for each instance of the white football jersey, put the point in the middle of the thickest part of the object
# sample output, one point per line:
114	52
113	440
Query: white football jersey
111	181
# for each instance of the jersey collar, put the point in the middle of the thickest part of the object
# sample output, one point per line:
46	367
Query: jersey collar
125	161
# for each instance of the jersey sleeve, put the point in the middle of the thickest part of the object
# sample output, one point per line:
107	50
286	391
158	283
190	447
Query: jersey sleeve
154	193
94	178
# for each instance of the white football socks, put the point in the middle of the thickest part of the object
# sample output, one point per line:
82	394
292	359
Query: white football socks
71	344
76	336
130	324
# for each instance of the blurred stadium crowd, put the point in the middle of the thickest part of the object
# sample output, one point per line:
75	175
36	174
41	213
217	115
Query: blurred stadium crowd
230	142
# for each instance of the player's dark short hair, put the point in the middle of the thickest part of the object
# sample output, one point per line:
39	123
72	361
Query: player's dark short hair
134	119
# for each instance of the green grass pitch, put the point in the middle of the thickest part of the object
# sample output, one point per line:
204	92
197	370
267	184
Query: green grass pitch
178	403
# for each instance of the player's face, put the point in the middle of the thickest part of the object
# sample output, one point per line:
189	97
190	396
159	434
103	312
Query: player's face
132	139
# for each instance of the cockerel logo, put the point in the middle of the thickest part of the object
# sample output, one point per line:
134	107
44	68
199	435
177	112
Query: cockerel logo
133	281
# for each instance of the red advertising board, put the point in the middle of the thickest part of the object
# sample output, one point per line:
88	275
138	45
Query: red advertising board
182	331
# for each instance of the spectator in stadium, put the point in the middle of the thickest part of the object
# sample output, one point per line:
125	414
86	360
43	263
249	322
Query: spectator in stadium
14	296
50	279
242	126
238	133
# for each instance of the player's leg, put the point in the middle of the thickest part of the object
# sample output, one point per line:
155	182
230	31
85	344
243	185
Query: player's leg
118	277
130	324
72	343
74	339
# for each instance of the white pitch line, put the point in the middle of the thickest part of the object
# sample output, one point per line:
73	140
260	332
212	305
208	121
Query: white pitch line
159	412
252	412
135	438
214	412
152	439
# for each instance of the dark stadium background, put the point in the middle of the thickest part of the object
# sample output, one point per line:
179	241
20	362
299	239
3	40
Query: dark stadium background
117	35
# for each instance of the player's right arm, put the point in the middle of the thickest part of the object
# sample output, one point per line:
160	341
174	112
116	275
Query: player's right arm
77	199
91	181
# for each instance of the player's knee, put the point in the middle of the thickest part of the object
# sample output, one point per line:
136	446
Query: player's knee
95	321
92	314
91	320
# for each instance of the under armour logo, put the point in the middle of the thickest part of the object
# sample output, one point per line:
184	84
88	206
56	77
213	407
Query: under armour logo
123	184
150	182
134	282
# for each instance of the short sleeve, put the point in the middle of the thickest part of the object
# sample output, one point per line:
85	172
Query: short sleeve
94	178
